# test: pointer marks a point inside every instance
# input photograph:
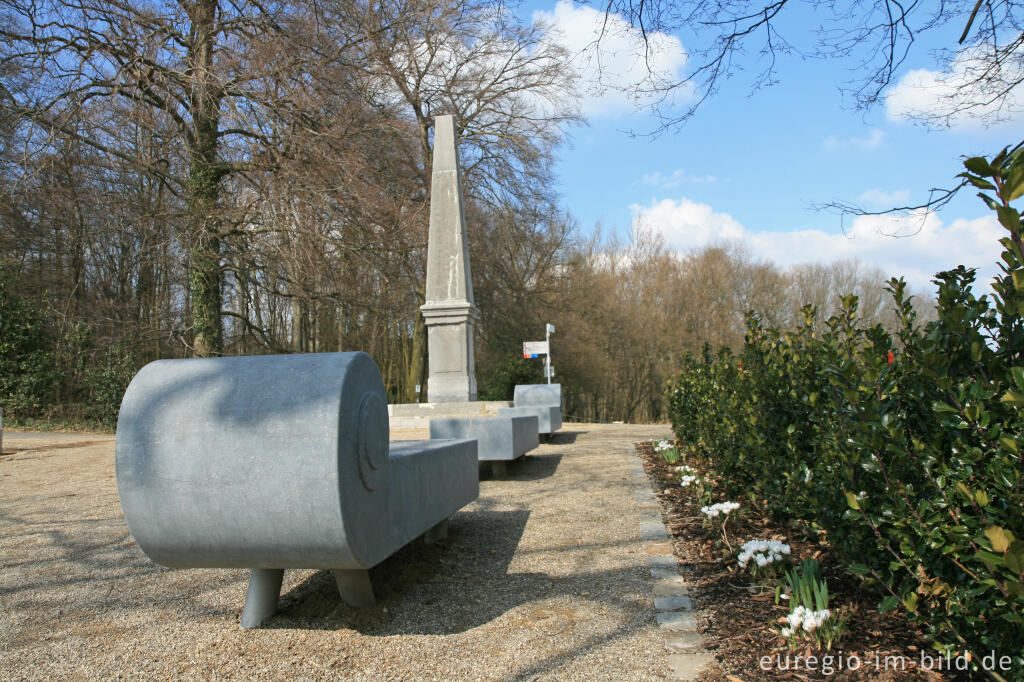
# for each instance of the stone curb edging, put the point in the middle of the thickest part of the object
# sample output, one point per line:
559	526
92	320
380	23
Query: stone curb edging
674	609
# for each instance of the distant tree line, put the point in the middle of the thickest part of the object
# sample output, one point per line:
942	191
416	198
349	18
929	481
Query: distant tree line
634	311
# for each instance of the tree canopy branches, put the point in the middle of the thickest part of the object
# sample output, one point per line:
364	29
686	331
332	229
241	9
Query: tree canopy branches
877	35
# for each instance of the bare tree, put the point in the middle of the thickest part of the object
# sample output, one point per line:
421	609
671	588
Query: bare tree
509	87
201	65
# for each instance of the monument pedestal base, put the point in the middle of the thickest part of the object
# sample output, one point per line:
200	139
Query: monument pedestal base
450	349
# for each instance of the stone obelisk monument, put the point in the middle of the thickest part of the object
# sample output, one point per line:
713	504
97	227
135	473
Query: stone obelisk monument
449	312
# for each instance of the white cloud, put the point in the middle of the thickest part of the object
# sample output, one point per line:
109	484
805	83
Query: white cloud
686	224
618	70
871	141
915	246
678	177
878	197
941	96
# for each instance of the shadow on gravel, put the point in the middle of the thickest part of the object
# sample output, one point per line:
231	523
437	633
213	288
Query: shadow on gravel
73	445
449	587
533	467
427	589
564	437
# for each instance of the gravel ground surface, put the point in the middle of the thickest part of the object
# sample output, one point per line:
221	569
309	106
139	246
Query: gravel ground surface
543	577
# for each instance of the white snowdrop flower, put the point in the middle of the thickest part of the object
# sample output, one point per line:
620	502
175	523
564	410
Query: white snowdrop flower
807	620
722	508
787	632
764	552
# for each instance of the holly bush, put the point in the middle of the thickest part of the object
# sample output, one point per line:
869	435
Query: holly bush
903	447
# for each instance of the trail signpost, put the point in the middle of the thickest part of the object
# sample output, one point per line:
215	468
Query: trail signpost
534	349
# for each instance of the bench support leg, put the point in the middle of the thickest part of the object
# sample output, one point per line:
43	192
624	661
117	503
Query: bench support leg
438	532
355	587
499	469
261	598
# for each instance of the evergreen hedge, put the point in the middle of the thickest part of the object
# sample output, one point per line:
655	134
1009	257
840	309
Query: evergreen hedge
904	447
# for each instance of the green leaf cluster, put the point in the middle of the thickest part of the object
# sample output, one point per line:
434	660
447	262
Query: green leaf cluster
28	377
806	587
904	447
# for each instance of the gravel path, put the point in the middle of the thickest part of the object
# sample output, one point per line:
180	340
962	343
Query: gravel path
543	577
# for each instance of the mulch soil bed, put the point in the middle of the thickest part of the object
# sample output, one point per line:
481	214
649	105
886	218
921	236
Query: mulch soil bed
741	626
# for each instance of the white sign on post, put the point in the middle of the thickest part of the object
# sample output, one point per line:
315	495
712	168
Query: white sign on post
533	349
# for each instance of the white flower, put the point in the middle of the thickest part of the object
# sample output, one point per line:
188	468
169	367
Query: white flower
807	620
722	508
687	480
787	632
763	552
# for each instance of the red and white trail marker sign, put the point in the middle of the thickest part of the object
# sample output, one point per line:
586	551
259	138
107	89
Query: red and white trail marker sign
533	349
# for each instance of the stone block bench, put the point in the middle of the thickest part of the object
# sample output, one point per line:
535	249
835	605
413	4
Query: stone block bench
275	462
499	439
543	401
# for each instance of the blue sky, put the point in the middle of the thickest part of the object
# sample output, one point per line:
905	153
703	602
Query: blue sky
748	166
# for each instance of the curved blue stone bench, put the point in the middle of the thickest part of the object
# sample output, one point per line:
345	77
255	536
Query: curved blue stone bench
279	461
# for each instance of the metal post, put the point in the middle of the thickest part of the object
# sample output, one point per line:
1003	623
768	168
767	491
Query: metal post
547	358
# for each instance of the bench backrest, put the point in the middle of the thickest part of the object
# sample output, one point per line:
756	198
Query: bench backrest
267	461
538	395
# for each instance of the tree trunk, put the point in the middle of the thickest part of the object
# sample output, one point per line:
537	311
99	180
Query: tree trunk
299	328
418	360
205	174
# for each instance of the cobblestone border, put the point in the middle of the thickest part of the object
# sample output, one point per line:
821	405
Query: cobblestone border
687	656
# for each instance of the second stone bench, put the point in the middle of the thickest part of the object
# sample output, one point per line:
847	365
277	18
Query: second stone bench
499	439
